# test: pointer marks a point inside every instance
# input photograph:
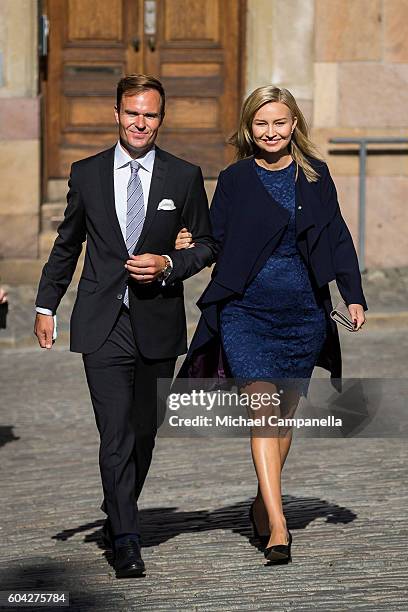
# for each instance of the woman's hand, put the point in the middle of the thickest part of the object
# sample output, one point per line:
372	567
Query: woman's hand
357	315
184	239
3	296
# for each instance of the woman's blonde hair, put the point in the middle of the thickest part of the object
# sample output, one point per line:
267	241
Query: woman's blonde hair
300	145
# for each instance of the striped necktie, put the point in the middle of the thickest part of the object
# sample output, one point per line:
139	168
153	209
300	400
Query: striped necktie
135	212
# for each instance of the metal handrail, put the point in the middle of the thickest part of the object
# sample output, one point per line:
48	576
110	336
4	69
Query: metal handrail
363	142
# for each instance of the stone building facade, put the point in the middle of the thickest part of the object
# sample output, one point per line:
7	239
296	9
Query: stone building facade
20	138
346	61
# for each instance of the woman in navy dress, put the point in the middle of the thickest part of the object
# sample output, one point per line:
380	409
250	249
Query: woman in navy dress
276	327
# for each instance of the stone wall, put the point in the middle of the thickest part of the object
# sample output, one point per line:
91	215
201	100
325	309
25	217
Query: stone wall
360	89
346	61
19	130
280	47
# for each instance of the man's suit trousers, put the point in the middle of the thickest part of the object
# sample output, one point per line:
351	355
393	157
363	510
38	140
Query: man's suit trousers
122	385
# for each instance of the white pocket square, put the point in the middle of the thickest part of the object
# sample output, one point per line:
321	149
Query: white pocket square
166	205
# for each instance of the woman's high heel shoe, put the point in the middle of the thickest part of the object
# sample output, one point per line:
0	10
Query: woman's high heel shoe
280	552
263	539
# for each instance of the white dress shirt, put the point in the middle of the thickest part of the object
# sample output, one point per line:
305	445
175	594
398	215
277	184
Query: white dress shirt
121	177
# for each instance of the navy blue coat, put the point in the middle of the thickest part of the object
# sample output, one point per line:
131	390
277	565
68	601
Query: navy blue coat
247	224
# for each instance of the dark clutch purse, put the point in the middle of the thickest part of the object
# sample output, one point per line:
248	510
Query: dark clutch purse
3	314
340	314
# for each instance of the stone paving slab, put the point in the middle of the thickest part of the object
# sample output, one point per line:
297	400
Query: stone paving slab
345	501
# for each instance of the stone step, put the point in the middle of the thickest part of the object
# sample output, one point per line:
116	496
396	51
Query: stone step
57	190
46	240
28	271
21	271
52	214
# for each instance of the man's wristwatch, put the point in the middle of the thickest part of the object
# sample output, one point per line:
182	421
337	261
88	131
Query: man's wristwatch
167	269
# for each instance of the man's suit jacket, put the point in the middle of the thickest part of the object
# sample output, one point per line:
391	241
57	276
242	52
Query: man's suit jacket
157	312
247	225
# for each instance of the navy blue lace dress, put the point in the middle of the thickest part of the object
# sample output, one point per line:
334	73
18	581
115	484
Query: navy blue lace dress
276	329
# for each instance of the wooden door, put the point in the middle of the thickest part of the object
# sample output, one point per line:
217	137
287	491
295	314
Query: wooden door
193	46
197	54
90	48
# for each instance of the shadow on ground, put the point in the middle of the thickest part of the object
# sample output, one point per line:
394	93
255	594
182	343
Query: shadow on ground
7	434
159	525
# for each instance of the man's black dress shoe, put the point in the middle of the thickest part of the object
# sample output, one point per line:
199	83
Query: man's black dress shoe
280	553
128	562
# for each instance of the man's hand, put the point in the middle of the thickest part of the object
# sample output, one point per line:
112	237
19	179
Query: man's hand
3	296
184	239
145	268
44	329
357	315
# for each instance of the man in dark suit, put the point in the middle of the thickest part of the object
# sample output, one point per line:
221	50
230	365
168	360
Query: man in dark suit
128	321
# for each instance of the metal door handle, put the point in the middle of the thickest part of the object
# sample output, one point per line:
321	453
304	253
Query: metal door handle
136	43
151	41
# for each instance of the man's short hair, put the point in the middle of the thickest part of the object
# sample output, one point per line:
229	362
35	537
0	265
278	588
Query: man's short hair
137	83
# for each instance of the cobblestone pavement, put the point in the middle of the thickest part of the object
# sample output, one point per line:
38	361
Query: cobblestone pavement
344	499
